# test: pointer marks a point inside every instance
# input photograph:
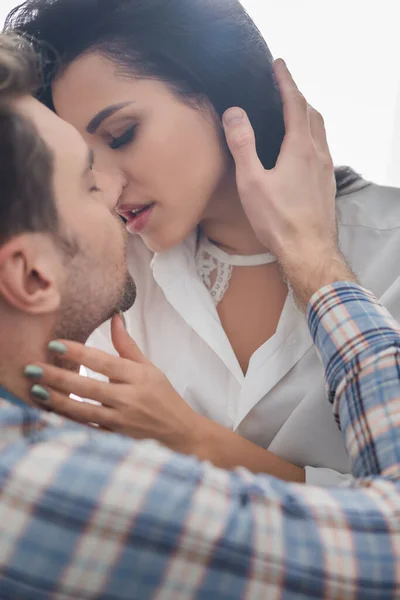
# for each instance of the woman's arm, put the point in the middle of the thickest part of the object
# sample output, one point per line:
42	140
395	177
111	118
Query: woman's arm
140	402
227	450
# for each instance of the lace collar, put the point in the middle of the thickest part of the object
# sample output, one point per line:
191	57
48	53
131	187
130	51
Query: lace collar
211	259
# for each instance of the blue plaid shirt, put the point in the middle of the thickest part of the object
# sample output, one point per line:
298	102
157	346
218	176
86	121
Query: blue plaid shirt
85	514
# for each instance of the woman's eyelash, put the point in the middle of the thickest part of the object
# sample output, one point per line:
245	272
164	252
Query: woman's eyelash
124	139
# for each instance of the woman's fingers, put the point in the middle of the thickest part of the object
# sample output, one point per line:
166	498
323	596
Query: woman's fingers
113	367
80	412
68	382
124	344
98	428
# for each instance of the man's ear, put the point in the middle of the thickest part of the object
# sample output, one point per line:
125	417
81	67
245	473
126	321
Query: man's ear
30	273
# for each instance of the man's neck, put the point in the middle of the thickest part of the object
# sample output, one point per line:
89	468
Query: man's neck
23	341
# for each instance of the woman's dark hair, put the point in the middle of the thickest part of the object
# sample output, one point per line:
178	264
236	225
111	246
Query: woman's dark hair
201	48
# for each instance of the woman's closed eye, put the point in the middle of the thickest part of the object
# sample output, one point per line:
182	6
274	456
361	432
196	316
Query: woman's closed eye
124	139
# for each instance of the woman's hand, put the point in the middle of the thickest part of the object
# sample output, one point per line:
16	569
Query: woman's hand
139	401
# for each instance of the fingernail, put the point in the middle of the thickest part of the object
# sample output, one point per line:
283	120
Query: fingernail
233	116
57	347
40	393
33	372
121	314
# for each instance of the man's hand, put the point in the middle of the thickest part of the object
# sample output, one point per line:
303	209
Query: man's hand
291	207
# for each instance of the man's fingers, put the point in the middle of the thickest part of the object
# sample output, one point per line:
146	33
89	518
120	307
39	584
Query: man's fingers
242	144
124	344
318	130
295	108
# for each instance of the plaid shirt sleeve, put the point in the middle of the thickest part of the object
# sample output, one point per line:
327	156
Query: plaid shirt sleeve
87	515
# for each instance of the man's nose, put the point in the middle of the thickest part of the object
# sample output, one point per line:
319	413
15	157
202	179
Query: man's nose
112	185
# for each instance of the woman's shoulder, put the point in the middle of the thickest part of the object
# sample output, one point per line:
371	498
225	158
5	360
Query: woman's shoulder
366	204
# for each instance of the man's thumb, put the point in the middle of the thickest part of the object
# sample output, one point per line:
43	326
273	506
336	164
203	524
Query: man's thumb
242	142
123	343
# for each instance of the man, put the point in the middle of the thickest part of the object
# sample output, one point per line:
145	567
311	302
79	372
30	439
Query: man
86	514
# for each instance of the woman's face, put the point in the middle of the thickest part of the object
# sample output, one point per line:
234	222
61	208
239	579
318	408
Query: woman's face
168	154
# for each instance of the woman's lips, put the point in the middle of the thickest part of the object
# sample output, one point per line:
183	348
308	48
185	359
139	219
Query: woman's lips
137	217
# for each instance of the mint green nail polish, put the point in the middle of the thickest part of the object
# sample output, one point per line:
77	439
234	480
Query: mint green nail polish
33	372
57	347
40	393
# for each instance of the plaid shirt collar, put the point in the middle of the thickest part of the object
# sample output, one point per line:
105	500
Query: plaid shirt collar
6	395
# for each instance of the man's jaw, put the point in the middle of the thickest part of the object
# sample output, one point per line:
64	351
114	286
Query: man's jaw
128	295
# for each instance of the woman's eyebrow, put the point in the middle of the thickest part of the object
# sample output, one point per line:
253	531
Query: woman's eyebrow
104	114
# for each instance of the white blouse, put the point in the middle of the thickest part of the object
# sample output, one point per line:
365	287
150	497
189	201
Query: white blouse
281	402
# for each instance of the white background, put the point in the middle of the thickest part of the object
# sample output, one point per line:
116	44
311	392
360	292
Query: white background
345	55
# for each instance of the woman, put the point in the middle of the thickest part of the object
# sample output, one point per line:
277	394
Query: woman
146	81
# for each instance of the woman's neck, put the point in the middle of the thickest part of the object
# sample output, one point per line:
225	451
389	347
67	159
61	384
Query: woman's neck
226	225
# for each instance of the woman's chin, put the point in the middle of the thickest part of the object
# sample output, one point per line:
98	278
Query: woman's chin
160	243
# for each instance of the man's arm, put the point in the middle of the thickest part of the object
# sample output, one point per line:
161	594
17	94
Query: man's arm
91	515
359	343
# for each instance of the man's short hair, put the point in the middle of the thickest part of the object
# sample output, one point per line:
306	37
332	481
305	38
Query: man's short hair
26	163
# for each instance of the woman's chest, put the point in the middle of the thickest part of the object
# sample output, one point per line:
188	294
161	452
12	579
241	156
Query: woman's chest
251	309
191	347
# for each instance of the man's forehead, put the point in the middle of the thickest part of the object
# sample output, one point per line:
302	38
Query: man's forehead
36	111
58	135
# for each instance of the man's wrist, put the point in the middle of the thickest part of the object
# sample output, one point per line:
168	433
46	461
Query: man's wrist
310	269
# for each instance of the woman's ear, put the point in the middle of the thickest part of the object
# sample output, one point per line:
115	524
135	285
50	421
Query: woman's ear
30	272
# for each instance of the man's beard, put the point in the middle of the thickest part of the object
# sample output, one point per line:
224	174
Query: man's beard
126	300
87	304
128	296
